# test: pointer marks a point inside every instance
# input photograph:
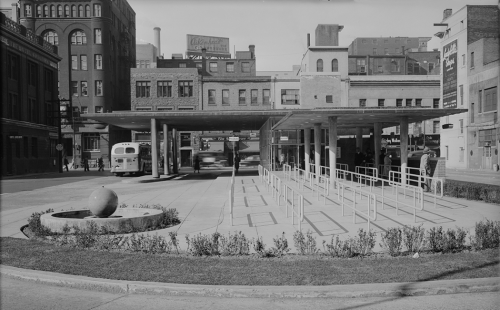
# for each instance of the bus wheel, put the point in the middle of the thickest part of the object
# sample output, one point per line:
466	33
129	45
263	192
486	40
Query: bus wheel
119	174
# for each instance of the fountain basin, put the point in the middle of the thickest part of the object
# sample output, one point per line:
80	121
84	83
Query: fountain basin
138	218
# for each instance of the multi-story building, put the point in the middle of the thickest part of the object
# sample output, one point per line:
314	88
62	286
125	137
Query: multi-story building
470	73
388	45
30	114
96	41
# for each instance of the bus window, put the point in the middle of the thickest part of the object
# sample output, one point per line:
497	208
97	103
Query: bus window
130	150
119	150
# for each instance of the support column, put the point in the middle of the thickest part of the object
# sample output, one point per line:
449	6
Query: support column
332	145
403	133
377	136
307	149
174	151
154	149
317	148
359	138
166	155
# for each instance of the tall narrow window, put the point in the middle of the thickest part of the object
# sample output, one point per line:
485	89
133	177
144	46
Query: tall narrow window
490	99
335	65
83	62
98	61
472	112
225	96
211	96
472	60
32	74
80	11
185	88
27	10
164	89
73	11
399	102
98	88
84	90
480	103
254	93
53	11
435	127
97	36
431	67
38	11
418	102
266	93
74	88
74	62
461	126
242	96
461	95
66	11
45	11
319	65
408	102
87	10
97	10
59	11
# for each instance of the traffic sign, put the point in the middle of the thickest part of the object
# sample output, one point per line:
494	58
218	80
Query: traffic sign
59	147
234	139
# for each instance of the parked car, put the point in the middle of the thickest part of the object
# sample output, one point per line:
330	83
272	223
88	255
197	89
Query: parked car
252	160
418	154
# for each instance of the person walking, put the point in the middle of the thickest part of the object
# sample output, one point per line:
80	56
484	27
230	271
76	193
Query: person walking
236	162
359	158
387	165
100	164
66	163
85	164
425	169
197	164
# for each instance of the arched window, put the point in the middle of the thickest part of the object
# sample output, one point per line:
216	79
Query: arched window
73	11
78	38
319	65
51	37
38	11
87	11
66	11
45	11
80	11
53	11
59	11
335	65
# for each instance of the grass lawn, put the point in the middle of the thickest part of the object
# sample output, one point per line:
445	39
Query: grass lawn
249	270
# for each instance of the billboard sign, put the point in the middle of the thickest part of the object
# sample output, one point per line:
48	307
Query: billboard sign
214	45
450	75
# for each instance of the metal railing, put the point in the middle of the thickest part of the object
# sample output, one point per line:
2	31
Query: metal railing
295	201
371	199
418	178
366	171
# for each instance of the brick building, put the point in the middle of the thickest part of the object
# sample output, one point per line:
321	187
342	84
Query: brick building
29	95
388	45
96	40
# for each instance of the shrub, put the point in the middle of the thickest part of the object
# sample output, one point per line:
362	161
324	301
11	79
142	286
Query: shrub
449	241
392	241
365	242
280	246
472	191
201	245
236	244
340	248
260	248
435	239
414	238
174	241
87	237
36	226
487	235
305	244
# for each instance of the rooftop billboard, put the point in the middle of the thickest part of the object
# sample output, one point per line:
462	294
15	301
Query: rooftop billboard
214	45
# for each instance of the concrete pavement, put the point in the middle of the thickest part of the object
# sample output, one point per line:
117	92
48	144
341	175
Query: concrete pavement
202	202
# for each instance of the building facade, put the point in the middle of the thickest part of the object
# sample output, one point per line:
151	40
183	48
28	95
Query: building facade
96	41
30	111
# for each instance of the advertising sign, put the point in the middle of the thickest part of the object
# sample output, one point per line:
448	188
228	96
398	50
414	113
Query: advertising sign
214	45
450	75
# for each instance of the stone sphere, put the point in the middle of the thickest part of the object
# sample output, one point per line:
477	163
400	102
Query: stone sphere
103	202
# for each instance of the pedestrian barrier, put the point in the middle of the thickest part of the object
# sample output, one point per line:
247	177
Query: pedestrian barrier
435	182
231	200
371	171
371	200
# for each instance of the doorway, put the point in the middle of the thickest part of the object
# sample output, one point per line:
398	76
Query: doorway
186	158
487	157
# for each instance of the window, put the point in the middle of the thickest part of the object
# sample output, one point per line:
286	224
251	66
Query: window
85	110
98	61
49	80
74	88
399	102
266	96
83	62
395	65
225	96
185	139
73	11
254	93
319	65
87	11
213	67
66	11
329	99
91	142
74	62
486	137
12	109
97	10
408	102
242	96
381	102
361	65
230	67
53	11
32	74
335	65
59	11
182	65
472	60
245	67
99	109
362	102
461	125
142	89
98	88
431	67
34	147
13	67
290	96
435	103
211	96
435	127
78	38
45	11
463	59
84	88
490	99
374	51
164	89
80	11
472	112
51	37
461	95
27	10
418	102
97	36
186	108
185	88
480	104
416	68
26	147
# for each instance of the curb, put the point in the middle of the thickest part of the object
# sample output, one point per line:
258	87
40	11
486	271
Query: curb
331	291
149	179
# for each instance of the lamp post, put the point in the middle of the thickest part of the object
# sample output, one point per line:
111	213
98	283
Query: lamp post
59	132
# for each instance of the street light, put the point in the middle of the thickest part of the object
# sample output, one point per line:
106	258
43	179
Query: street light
59	133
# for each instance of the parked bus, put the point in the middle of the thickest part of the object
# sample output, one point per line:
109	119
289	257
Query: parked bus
130	157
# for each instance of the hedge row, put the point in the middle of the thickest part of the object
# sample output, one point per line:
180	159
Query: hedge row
472	191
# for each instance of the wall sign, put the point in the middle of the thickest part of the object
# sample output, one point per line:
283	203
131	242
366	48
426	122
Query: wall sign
450	75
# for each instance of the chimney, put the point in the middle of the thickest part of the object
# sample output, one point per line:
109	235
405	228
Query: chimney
308	40
252	51
328	35
447	13
203	61
157	40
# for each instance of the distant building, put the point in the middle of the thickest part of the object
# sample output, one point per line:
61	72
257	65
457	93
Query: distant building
30	107
388	45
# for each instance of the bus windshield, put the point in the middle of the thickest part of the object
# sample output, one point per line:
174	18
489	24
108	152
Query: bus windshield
127	150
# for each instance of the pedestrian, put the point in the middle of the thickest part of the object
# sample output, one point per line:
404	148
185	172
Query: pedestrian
425	169
387	165
100	164
359	158
85	164
197	164
236	162
66	163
